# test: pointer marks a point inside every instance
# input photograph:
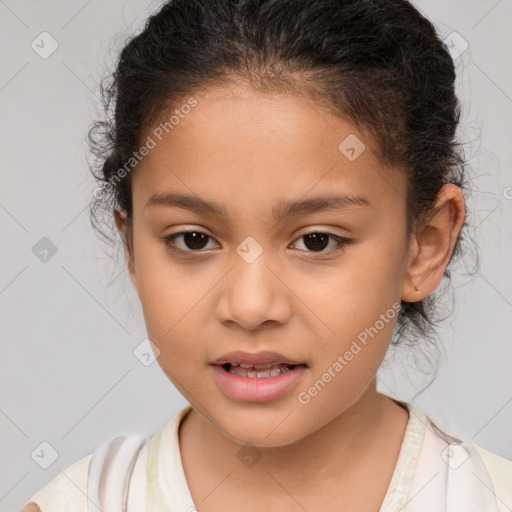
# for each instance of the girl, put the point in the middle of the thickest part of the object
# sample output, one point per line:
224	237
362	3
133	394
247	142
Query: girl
287	184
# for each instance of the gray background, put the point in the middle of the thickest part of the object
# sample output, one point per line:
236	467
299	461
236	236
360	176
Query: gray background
69	326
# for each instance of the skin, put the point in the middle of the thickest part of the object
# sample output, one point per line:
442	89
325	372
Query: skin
30	507
246	150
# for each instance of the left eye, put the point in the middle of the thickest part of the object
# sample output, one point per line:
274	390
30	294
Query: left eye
195	241
317	241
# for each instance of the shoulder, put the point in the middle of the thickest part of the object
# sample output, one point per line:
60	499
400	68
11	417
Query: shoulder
500	472
117	466
66	492
102	478
458	474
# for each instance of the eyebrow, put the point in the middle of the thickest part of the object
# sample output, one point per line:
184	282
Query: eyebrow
281	209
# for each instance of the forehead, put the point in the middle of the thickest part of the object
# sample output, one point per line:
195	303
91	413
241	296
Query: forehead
240	147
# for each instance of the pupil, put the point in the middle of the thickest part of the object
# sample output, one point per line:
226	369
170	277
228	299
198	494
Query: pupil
195	240
320	240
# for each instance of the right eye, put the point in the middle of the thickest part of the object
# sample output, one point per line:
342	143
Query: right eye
193	240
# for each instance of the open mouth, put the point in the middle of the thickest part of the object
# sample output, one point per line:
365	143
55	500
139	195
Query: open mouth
258	371
260	380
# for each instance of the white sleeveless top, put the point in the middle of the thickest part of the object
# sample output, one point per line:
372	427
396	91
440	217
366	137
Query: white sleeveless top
434	472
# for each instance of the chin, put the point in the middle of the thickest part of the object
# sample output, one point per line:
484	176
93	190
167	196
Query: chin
260	428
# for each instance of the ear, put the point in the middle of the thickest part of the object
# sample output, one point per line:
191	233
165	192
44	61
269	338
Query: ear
123	224
432	245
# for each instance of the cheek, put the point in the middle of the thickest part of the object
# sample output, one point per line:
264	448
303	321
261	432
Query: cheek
347	363
366	284
359	307
161	290
173	298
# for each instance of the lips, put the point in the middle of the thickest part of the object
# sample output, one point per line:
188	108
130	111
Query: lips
249	360
255	384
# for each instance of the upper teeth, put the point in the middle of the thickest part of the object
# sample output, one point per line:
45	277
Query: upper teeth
267	370
257	366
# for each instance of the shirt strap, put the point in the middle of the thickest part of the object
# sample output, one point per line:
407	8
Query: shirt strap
450	476
110	473
154	499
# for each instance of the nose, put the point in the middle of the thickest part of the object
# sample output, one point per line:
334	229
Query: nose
254	294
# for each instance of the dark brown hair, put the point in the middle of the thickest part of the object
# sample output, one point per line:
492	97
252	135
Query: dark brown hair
378	63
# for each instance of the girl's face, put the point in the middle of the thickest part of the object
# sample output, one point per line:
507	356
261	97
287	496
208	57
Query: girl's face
250	279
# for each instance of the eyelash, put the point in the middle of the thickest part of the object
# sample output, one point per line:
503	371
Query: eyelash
341	241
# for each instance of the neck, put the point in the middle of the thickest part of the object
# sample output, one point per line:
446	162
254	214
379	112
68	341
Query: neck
340	450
